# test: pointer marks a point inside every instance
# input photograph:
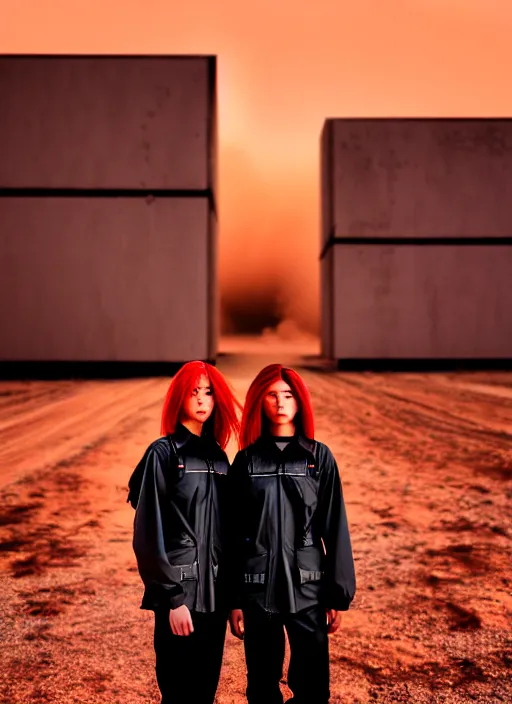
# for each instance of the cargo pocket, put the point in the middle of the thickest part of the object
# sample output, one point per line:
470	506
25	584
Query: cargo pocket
186	575
182	553
183	565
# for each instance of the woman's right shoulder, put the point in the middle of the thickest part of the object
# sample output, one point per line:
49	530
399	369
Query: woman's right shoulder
160	447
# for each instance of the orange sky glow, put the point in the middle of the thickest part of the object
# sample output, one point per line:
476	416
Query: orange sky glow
283	68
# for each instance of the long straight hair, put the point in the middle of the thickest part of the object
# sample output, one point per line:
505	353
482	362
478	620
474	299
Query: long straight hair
224	420
253	419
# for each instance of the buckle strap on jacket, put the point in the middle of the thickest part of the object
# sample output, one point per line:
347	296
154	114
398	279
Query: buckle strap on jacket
310	575
255	578
183	572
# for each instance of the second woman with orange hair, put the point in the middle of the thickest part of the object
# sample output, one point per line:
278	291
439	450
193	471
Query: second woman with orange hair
180	536
291	560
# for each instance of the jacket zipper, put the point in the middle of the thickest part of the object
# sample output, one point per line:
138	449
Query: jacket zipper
209	519
280	467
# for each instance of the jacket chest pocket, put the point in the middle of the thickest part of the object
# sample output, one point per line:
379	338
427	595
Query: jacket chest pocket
290	468
259	467
194	465
295	469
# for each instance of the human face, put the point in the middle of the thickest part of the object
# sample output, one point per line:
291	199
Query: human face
280	407
198	405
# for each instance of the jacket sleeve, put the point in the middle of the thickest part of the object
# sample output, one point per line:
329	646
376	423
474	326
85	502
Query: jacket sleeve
237	487
339	562
162	591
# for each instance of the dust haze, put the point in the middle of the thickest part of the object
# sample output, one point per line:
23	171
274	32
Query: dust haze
268	247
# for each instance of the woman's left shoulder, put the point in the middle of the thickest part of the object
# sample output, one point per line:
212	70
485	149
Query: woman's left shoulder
323	453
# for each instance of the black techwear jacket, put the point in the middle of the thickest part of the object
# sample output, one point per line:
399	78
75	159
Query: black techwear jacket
290	544
178	536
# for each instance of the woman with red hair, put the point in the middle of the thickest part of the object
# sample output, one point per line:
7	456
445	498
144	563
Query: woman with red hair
291	562
179	533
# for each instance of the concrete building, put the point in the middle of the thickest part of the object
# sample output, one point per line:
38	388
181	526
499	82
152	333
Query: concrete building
416	252
108	208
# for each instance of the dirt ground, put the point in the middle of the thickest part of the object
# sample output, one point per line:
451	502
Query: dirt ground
426	465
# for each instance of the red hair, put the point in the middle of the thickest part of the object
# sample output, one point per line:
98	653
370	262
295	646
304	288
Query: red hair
252	418
225	417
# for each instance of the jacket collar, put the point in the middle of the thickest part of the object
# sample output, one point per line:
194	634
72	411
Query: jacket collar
268	441
182	435
306	443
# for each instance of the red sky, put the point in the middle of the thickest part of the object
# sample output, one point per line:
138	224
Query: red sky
284	67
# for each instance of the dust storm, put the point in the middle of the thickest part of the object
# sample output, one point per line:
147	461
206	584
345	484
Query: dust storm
269	247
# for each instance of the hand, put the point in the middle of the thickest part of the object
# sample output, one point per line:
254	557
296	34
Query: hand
333	620
181	621
236	622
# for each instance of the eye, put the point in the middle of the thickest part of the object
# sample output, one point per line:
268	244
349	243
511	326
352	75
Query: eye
209	392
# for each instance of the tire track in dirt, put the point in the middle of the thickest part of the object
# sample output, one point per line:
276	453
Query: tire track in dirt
467	405
58	430
18	397
431	404
390	418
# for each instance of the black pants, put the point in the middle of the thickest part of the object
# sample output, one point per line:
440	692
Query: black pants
308	674
188	667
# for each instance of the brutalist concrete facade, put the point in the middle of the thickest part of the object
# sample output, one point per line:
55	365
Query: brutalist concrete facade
416	255
107	208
